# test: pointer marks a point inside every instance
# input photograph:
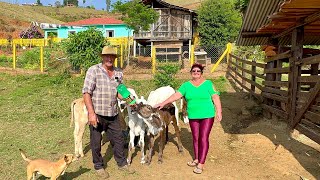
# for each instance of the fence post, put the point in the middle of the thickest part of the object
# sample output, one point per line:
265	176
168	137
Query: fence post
121	57
192	56
243	73
116	60
41	58
14	55
153	58
253	77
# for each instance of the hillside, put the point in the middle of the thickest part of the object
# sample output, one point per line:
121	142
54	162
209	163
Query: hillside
191	4
15	18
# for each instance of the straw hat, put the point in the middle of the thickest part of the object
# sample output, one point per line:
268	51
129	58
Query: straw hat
108	50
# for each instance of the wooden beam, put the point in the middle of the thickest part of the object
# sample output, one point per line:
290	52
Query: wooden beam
255	34
309	60
275	111
275	97
313	94
276	83
313	78
307	20
275	91
314	135
295	71
313	117
277	70
284	55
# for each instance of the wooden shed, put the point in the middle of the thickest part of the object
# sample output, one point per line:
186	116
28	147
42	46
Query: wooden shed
174	29
291	86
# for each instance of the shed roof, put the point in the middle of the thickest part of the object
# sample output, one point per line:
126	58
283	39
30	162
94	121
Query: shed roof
277	18
94	21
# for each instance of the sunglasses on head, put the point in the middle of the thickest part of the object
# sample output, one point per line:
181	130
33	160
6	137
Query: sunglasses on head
196	71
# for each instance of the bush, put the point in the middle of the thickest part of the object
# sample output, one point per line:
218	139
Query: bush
165	76
83	48
5	61
31	59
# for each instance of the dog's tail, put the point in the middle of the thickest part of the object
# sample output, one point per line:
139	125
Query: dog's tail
23	154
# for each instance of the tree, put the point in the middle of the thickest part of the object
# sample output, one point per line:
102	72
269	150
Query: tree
136	15
74	2
219	22
108	3
39	3
57	4
83	48
242	5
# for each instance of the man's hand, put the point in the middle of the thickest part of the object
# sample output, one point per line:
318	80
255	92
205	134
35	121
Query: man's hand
93	120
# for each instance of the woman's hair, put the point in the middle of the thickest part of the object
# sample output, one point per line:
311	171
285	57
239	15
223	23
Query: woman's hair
198	66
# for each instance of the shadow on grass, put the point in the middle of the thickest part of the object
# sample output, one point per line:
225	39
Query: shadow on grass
69	175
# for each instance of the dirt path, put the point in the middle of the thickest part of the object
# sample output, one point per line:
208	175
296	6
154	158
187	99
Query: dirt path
243	146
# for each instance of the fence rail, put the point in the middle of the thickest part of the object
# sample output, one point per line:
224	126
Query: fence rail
297	101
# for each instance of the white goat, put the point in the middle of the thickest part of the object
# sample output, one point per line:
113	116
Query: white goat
137	128
161	94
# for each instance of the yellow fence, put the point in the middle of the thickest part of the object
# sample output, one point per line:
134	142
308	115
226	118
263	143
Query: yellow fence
122	44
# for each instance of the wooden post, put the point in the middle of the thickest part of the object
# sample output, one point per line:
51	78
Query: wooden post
295	70
253	77
192	56
116	60
153	58
244	82
41	58
121	56
14	55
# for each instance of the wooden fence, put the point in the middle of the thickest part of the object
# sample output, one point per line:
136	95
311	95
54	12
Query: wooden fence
286	88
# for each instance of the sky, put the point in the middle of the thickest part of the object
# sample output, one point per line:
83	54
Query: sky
98	4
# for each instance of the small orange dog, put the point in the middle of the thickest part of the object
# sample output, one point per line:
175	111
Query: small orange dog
45	167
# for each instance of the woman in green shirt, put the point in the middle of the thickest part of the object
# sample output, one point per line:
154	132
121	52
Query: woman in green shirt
203	107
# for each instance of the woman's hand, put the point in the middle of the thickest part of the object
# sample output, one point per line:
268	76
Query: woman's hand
93	120
160	106
218	116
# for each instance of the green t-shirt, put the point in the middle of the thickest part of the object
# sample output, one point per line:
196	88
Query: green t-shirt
199	99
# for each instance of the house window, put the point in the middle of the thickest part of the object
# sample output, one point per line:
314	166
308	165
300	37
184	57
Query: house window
71	32
110	33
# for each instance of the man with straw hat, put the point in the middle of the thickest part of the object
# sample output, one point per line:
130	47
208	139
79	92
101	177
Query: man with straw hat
100	96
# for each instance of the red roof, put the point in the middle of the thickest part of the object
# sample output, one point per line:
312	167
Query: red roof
94	21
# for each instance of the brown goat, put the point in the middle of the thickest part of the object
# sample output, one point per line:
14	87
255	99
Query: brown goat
157	121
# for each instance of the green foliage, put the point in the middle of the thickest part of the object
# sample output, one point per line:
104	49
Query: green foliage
83	48
5	61
136	15
219	22
165	76
31	59
74	2
108	5
250	53
241	5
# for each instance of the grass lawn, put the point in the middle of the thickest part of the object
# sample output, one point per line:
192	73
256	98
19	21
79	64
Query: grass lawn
35	116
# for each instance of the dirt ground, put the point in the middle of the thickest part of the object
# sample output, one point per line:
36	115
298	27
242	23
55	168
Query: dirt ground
244	145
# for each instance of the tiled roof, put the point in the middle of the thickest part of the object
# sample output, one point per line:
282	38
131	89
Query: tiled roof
94	21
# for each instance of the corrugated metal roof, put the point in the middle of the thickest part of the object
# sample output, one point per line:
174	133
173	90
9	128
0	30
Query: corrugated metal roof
255	17
257	27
